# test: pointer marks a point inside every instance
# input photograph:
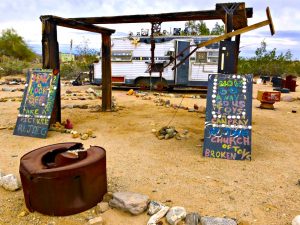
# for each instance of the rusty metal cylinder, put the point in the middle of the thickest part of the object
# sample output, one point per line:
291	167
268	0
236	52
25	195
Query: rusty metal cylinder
55	183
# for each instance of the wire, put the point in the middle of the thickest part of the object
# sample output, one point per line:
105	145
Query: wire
175	111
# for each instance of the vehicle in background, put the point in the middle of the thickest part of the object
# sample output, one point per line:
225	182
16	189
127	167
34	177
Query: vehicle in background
131	60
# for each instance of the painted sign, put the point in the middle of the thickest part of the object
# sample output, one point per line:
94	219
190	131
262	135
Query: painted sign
37	104
228	122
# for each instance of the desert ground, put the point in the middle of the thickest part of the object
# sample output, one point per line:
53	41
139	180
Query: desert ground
264	191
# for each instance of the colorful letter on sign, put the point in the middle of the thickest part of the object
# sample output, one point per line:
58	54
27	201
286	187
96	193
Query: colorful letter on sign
37	104
228	122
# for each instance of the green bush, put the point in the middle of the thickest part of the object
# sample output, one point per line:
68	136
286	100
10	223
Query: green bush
12	66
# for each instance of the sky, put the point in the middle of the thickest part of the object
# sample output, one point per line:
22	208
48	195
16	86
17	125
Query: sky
23	16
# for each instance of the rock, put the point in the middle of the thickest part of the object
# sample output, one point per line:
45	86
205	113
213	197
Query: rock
96	221
90	90
191	110
7	89
23	213
107	197
75	134
206	220
97	108
157	216
85	106
84	137
9	182
287	98
196	107
102	207
192	219
296	220
154	207
68	92
175	215
185	132
153	130
128	201
167	102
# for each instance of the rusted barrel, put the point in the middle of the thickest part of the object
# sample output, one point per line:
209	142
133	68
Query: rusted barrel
55	182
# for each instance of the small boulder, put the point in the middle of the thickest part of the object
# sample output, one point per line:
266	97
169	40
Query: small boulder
207	220
157	216
107	197
102	207
130	202
90	90
176	214
287	98
84	137
154	207
192	219
9	182
296	220
7	89
96	221
196	107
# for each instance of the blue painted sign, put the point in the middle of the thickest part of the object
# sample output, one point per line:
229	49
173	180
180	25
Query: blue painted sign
228	122
37	104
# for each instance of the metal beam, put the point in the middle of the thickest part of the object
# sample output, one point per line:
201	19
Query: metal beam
163	17
79	25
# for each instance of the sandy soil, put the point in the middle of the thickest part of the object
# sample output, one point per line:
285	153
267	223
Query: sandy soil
262	191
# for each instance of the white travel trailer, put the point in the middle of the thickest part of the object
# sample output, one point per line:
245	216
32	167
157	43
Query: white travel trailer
131	58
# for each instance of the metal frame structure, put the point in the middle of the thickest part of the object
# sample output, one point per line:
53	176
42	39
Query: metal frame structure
234	15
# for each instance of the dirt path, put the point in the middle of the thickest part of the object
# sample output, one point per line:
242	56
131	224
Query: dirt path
262	191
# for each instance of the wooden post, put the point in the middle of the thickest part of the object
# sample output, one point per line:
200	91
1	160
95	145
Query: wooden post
106	73
237	52
51	61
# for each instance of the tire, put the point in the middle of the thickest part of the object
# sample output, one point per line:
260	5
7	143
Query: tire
143	83
160	85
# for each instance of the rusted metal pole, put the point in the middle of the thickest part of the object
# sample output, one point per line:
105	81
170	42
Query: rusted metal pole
51	61
106	73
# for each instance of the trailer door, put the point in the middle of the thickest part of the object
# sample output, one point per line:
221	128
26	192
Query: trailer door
182	71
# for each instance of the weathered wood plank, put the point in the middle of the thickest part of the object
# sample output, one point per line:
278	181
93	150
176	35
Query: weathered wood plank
106	73
163	17
50	53
79	25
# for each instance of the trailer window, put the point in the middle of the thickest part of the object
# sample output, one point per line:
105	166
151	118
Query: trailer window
201	57
121	56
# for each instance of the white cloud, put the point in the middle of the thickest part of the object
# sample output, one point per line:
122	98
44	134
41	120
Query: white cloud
23	16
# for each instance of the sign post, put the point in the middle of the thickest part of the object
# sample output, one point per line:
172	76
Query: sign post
228	117
37	104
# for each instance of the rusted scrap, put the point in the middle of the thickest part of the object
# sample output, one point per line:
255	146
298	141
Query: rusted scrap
55	184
